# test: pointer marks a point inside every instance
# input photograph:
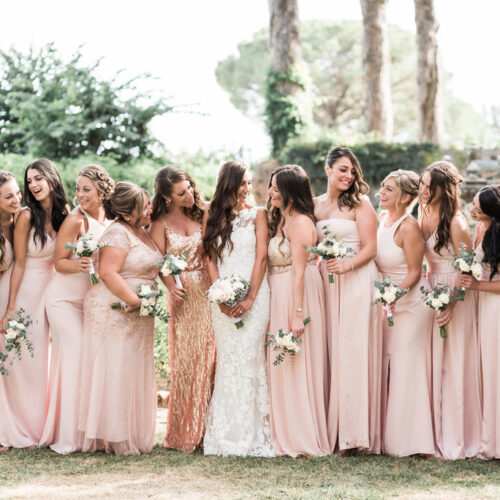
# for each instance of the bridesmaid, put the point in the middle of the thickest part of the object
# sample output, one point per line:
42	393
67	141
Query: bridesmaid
25	389
486	210
298	386
177	218
455	370
64	305
10	204
117	411
406	362
353	325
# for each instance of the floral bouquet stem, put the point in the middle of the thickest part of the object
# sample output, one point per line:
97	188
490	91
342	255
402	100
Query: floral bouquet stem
442	332
387	293
174	265
86	246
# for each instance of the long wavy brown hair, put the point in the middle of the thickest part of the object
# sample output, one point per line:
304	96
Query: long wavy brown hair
165	179
221	212
4	178
352	197
444	175
489	200
295	189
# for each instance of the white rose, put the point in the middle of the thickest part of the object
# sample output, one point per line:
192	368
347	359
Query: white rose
11	334
477	270
436	303
181	264
79	247
336	248
92	245
463	266
343	252
377	295
165	270
389	296
444	298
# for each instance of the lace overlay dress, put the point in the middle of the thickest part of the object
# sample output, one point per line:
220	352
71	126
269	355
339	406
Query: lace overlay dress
191	346
118	391
238	415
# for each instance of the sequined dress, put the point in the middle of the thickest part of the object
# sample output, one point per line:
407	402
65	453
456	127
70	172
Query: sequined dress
118	392
191	347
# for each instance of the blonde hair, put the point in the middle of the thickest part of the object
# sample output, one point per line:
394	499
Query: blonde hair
126	198
408	183
100	178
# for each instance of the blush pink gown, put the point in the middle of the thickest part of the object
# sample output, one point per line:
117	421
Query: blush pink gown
488	320
23	393
298	386
455	369
406	362
64	305
117	410
354	331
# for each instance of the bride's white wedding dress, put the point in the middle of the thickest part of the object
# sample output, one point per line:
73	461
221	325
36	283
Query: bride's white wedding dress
238	416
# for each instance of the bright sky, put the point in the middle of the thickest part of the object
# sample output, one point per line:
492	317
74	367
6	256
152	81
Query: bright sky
181	41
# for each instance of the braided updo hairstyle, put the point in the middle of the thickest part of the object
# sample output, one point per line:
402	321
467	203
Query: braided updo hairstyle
101	180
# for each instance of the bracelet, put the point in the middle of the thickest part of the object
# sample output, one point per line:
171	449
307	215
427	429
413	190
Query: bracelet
299	309
352	265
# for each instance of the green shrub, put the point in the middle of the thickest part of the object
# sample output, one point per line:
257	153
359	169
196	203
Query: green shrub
377	159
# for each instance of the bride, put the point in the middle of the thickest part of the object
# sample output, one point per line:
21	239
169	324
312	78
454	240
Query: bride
236	242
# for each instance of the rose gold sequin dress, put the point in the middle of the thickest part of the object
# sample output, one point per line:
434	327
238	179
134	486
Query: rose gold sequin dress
191	346
118	382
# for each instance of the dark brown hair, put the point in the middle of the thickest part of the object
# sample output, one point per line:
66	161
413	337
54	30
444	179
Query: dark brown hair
165	179
221	212
352	197
489	200
295	190
49	172
445	176
4	178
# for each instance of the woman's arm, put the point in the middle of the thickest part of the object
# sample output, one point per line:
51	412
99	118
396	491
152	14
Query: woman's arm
111	260
468	281
301	234
21	235
157	233
71	229
413	249
259	267
366	221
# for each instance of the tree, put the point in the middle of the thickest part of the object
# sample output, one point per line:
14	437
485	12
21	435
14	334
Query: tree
284	86
429	74
376	63
59	109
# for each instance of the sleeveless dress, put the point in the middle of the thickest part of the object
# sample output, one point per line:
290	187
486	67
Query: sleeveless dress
24	391
118	384
406	361
5	272
191	347
64	305
238	415
488	320
354	331
298	385
455	369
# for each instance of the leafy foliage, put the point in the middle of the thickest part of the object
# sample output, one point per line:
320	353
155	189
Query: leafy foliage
377	159
58	109
283	116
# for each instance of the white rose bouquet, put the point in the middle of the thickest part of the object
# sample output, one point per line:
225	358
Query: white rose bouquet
466	263
16	337
149	306
286	343
331	248
387	293
229	291
86	246
438	299
174	265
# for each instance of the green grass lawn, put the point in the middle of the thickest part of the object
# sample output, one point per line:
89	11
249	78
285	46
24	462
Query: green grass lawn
170	474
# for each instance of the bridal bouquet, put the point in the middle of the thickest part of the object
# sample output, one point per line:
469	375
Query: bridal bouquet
286	343
438	299
174	265
229	291
149	303
330	248
387	293
86	246
16	337
466	262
